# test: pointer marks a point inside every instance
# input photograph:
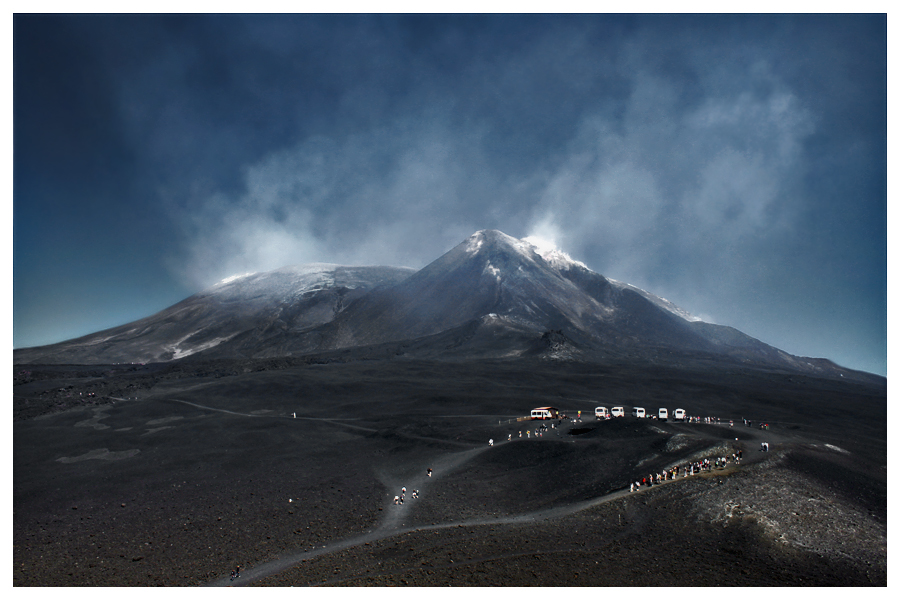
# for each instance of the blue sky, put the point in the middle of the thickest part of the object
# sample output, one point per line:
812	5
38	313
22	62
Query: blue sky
733	164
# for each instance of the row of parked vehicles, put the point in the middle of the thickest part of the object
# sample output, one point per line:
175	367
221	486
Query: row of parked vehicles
601	412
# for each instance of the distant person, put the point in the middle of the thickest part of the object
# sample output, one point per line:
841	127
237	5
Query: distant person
491	442
396	499
429	471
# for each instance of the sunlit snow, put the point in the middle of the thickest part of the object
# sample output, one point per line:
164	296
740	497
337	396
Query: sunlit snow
550	253
233	278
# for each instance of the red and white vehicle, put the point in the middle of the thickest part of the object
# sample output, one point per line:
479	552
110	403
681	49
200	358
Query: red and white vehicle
545	412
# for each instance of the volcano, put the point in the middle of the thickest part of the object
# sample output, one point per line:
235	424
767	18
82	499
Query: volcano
492	296
279	414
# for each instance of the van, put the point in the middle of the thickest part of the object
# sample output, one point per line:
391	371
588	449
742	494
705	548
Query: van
638	412
679	414
663	414
617	411
601	412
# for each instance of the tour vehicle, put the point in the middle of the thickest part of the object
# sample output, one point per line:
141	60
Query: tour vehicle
617	411
601	412
545	412
663	414
679	414
638	412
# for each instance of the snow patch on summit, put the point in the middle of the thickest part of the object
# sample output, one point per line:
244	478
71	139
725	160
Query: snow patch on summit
234	278
555	257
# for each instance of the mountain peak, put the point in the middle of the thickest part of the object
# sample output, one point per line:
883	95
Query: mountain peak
528	247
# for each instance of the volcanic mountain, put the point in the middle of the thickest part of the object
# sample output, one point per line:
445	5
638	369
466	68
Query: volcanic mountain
491	296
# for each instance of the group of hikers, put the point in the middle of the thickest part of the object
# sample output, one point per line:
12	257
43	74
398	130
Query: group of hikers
691	468
415	493
538	432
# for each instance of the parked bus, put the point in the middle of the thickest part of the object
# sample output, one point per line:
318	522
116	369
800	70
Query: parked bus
601	412
545	412
679	414
663	414
638	412
617	411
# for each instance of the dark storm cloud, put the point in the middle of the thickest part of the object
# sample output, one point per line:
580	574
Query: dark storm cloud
735	164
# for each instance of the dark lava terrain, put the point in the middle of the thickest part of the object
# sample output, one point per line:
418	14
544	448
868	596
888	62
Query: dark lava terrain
173	474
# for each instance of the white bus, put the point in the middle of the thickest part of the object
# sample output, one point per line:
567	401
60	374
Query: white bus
617	411
601	412
663	414
679	414
638	412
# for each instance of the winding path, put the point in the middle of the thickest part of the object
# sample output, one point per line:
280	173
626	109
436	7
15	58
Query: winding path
393	523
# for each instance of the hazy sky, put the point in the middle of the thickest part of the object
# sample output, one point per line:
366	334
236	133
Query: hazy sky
735	165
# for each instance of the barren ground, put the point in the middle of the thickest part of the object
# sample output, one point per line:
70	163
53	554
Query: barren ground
198	468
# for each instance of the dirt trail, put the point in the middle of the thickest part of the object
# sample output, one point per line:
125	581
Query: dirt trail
393	524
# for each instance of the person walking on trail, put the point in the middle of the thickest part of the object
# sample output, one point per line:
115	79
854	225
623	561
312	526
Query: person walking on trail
509	439
429	471
491	442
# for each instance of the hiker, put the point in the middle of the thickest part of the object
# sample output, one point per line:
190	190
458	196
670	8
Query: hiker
632	486
509	439
429	471
491	442
396	499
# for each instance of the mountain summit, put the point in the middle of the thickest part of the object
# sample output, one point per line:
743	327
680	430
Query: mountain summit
490	296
